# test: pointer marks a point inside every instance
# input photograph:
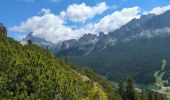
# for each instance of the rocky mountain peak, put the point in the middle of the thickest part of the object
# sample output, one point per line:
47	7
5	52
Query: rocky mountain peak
88	39
146	26
101	34
37	40
69	44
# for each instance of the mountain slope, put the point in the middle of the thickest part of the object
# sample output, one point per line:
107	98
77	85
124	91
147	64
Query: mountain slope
29	72
140	58
136	49
146	26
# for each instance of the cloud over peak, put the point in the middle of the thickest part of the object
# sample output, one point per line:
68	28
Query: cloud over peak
54	28
82	12
48	26
116	19
159	10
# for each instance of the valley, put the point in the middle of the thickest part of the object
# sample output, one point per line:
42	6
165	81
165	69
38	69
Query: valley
162	85
84	50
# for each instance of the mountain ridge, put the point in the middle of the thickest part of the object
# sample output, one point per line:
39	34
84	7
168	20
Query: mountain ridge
130	52
138	32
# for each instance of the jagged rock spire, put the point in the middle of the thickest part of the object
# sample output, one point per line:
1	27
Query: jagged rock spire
3	30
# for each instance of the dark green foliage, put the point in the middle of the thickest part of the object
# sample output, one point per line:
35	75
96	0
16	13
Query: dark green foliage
140	46
131	94
143	94
150	96
29	42
156	96
139	58
121	89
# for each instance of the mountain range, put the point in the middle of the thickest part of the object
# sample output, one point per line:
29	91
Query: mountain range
136	49
30	72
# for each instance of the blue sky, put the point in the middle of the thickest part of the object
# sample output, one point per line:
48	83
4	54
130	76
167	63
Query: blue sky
15	12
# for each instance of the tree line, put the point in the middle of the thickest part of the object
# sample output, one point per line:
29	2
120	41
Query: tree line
127	91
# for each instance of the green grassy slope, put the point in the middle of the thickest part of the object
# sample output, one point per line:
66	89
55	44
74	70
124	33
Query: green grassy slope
29	72
160	73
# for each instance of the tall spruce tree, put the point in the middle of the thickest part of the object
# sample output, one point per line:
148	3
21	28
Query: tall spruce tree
29	42
156	96
121	89
151	96
130	90
143	94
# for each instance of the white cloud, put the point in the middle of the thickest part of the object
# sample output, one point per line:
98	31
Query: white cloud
52	27
48	26
159	10
45	11
82	12
115	20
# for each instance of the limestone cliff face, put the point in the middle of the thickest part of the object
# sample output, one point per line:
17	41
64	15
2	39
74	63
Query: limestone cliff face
3	30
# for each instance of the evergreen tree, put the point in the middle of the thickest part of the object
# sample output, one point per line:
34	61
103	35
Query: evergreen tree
130	90
161	97
156	96
121	89
150	96
143	94
29	42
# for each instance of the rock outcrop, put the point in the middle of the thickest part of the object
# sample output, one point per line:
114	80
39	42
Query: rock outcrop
3	30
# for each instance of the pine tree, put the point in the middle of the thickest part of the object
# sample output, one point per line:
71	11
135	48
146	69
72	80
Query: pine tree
29	42
150	96
143	94
121	89
130	90
161	97
156	96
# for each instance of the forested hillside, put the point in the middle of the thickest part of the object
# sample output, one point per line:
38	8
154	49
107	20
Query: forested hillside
137	48
140	58
29	72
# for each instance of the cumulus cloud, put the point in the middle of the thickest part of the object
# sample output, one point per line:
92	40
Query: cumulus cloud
52	27
82	12
48	26
115	20
45	11
159	10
